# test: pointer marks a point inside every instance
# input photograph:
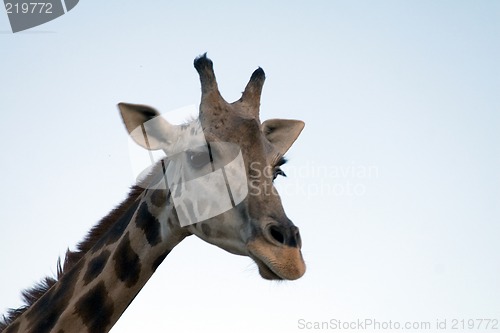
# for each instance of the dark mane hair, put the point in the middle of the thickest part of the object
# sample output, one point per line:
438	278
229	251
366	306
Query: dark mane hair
32	295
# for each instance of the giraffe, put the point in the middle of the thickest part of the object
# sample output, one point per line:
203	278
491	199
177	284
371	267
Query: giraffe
96	282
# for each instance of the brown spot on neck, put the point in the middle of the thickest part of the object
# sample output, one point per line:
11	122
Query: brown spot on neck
95	266
127	263
159	197
95	309
149	224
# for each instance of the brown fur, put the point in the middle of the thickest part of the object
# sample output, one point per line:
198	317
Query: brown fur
30	296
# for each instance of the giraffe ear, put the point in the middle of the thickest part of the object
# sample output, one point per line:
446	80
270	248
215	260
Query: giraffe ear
282	133
146	127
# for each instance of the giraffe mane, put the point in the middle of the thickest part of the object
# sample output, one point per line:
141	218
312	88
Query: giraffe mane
32	295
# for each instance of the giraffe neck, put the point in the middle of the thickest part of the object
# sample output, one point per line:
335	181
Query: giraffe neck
91	295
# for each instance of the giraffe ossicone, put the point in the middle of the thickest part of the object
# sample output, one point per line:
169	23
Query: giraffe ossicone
213	183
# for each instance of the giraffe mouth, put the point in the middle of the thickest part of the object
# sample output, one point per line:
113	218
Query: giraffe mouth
265	270
276	262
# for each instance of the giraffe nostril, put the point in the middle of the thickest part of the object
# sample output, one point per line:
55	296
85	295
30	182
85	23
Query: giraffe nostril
277	234
297	238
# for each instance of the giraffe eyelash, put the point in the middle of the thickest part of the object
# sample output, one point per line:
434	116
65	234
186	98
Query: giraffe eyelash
278	172
277	168
281	161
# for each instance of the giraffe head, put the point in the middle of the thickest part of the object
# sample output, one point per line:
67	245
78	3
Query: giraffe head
221	169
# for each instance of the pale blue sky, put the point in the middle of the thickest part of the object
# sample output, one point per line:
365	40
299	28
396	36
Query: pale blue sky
394	181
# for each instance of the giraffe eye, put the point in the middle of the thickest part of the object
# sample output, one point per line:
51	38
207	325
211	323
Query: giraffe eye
198	159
